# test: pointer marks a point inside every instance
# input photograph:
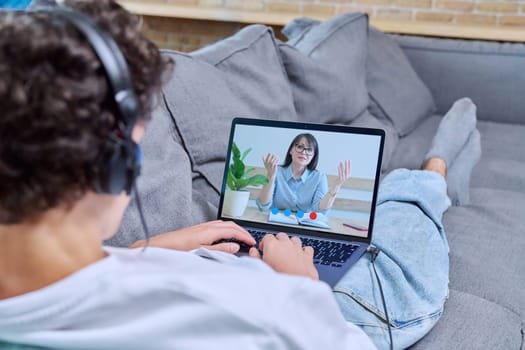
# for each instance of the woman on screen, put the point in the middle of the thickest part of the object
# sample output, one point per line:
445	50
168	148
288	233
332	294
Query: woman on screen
297	184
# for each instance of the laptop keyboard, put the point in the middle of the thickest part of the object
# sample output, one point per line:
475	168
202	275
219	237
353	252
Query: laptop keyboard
325	252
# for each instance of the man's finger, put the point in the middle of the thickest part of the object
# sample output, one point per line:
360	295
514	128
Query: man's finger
230	229
296	241
309	251
227	247
243	236
268	237
281	236
254	253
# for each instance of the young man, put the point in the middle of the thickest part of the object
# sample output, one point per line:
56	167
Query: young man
60	288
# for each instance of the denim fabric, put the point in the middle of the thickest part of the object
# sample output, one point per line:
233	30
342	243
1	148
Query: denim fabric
413	264
303	194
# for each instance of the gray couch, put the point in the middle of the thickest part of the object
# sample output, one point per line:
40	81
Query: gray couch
338	71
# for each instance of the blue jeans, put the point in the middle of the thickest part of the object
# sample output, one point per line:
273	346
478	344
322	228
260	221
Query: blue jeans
413	264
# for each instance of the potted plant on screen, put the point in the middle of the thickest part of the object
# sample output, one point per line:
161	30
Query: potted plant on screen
236	197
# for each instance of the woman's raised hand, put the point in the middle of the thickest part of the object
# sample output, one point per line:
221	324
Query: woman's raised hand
270	163
343	172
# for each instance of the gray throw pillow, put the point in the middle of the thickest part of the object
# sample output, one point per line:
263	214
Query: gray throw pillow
367	120
297	28
396	91
170	197
241	76
325	63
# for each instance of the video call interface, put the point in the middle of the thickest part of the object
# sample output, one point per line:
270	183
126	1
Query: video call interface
322	181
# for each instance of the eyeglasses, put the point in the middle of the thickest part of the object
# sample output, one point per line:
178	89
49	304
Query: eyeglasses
300	149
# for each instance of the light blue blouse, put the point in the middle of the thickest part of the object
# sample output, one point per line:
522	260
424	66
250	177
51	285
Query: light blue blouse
303	194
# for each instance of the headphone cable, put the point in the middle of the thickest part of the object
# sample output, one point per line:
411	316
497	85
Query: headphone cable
374	252
141	215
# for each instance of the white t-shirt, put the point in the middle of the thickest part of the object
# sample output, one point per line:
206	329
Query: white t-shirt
164	299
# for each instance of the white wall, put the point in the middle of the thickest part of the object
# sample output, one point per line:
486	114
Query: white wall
361	150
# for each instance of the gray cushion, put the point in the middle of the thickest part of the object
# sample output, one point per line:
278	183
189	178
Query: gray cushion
297	28
326	67
470	322
241	76
411	149
502	164
396	91
490	73
391	138
170	197
486	247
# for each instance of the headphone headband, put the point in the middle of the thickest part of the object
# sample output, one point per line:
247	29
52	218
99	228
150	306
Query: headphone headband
119	164
111	57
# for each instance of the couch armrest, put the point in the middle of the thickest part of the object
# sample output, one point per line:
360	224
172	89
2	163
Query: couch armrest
490	73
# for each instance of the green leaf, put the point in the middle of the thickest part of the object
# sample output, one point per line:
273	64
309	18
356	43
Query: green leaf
236	152
229	180
257	180
245	153
241	183
237	173
231	169
238	168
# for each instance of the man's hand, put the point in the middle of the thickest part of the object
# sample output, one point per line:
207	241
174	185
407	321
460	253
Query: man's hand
287	255
202	235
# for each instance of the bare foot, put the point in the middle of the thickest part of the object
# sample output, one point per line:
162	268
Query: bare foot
437	165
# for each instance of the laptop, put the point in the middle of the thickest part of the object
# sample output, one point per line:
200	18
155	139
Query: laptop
339	235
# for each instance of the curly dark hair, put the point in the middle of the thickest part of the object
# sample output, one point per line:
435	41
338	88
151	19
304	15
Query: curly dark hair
56	108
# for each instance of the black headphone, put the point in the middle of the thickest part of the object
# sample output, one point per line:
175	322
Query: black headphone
120	166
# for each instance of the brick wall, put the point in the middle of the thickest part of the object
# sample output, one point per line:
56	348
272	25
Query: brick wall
187	34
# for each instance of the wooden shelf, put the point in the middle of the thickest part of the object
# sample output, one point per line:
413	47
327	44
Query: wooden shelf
209	13
511	34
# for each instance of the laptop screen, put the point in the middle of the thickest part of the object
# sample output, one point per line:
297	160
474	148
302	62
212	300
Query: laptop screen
303	178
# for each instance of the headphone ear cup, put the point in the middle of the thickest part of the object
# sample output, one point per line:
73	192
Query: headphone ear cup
119	168
129	110
117	171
